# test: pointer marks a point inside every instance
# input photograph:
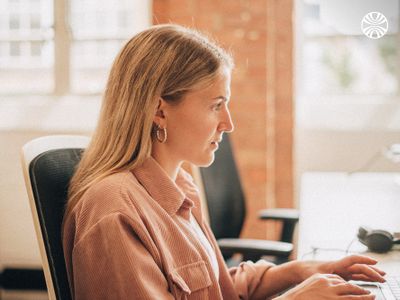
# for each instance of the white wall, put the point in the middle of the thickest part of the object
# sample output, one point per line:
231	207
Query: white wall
21	121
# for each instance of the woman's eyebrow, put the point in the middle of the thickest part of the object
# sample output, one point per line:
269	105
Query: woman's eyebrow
221	97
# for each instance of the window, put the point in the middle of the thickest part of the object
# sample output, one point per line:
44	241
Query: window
62	47
345	80
26	46
338	60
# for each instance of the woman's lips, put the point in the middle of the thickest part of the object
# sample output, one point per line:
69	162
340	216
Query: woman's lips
215	144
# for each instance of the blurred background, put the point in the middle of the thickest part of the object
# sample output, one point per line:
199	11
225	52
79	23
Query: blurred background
311	94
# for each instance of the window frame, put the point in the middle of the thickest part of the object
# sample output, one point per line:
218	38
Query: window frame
62	46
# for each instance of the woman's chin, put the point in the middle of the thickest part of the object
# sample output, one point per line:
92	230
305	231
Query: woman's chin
205	162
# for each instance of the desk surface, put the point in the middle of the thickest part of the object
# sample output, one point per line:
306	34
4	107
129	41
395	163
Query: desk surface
334	205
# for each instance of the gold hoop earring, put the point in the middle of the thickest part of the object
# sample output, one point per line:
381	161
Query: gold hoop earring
162	138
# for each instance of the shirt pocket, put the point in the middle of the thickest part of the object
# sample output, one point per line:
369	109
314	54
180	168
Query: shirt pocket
192	279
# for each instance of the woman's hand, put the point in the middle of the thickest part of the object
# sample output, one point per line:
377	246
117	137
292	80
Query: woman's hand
326	287
356	267
353	267
303	273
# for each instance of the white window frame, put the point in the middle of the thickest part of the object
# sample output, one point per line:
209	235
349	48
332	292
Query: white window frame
63	41
62	46
48	113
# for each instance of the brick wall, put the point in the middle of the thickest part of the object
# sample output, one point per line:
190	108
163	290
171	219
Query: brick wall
259	33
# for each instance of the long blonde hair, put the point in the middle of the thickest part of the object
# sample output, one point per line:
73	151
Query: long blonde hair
163	61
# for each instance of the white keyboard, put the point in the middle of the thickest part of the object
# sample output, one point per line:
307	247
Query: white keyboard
391	288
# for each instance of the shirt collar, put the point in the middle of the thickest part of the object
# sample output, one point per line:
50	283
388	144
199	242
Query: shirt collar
172	196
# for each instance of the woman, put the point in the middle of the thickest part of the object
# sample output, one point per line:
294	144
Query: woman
133	227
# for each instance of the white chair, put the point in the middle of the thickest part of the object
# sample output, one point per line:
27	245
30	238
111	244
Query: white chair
48	164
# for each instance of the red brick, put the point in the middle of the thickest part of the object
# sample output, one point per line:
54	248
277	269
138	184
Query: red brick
256	32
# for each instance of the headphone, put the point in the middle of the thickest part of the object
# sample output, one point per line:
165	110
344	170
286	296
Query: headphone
376	240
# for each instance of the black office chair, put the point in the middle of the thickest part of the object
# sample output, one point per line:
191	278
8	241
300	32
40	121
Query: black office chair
227	210
48	164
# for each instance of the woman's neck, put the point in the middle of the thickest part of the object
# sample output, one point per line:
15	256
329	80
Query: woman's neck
171	166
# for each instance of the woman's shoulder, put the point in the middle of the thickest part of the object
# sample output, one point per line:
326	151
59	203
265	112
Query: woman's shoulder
112	193
106	200
113	184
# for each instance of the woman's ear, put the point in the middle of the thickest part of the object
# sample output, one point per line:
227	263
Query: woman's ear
159	115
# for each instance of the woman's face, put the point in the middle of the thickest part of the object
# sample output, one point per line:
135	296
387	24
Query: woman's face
195	126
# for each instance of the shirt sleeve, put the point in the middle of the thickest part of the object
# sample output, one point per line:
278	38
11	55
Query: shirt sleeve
247	277
111	262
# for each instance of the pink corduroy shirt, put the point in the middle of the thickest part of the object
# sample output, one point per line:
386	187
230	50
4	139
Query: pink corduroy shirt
128	238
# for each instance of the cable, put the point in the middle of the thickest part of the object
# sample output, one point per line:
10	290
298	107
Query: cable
317	249
391	152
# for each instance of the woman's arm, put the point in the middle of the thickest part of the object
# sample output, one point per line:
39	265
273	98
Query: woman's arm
278	279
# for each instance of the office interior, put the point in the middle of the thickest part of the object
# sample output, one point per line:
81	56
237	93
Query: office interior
315	101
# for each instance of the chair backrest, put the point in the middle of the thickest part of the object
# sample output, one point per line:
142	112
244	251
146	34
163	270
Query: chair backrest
224	194
49	163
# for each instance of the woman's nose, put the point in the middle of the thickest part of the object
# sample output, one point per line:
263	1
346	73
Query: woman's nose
227	124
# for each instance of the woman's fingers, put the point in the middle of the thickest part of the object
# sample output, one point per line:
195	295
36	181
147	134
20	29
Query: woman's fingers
358	297
366	261
358	259
371	273
360	277
350	289
328	286
378	270
333	276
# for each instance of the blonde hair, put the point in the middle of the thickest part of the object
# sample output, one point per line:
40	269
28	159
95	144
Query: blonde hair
163	61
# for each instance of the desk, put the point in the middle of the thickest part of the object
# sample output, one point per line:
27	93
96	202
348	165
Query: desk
334	205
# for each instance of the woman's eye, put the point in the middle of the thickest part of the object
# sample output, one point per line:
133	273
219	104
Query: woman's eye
218	106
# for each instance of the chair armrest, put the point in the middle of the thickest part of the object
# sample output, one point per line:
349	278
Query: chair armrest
251	247
284	214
